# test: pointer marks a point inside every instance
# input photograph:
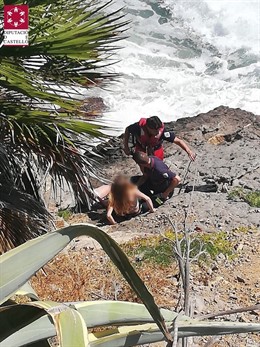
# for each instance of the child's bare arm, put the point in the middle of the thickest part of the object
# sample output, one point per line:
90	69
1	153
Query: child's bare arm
141	195
109	215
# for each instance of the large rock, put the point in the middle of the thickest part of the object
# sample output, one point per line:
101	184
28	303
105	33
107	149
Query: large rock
227	145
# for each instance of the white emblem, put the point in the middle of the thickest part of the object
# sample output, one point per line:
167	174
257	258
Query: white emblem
165	175
167	134
13	19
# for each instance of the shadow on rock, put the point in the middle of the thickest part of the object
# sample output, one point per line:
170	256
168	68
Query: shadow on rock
206	188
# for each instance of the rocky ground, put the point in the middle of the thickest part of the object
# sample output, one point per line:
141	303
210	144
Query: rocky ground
227	145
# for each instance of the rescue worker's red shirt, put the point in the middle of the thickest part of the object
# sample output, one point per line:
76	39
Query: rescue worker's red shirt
150	144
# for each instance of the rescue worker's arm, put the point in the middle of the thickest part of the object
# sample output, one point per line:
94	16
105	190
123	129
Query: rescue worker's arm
141	180
126	140
109	215
185	147
174	183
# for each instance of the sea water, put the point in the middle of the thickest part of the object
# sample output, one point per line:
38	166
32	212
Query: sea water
182	58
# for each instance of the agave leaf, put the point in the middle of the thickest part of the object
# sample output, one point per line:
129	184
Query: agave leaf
41	343
96	314
68	324
27	290
130	335
71	329
100	313
40	329
149	333
17	267
16	317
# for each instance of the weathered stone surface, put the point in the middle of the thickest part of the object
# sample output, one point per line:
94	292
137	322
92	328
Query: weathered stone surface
231	160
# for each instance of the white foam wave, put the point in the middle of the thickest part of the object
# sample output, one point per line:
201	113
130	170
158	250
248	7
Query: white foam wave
183	58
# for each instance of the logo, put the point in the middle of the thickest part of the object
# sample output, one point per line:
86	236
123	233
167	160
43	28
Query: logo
16	25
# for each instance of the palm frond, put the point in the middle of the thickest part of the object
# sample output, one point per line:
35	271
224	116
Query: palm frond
17	227
68	41
22	217
42	87
44	133
46	149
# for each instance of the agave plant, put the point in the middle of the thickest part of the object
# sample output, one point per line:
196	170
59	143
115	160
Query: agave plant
45	132
33	323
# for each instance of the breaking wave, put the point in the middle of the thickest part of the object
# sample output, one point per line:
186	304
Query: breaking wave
186	57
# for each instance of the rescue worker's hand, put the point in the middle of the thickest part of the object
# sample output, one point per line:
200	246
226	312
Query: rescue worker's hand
192	155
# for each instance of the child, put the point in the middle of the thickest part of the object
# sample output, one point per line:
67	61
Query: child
124	199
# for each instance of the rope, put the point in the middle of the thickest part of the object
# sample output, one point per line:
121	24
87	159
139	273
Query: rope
186	173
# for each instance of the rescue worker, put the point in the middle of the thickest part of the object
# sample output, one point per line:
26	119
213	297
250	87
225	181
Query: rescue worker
148	135
157	181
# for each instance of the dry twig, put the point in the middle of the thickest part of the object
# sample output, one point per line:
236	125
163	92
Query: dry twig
224	313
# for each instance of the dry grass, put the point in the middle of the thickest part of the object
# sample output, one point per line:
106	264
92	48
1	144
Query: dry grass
88	275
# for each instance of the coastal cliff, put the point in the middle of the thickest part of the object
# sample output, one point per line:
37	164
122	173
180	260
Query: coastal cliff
226	170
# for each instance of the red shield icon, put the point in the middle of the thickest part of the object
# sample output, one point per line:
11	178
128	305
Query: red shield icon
16	17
